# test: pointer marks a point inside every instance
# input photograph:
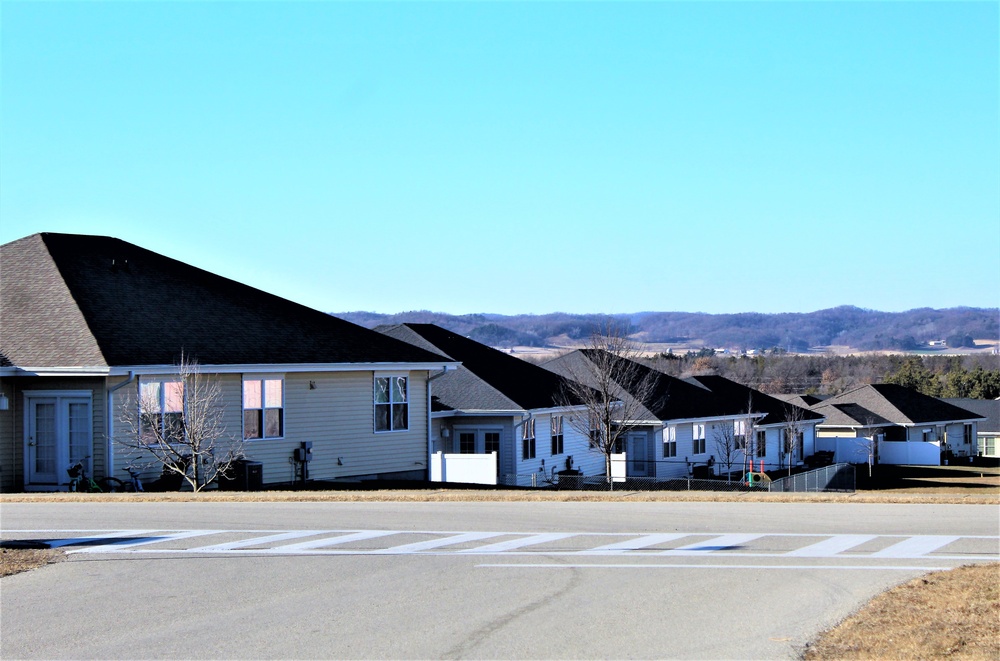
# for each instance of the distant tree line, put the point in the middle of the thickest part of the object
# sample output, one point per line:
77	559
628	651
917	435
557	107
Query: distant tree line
974	375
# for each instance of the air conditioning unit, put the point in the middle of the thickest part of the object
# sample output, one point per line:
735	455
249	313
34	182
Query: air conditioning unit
243	476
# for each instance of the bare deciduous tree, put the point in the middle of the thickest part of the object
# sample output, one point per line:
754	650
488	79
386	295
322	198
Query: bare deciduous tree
612	384
725	444
177	424
869	443
791	432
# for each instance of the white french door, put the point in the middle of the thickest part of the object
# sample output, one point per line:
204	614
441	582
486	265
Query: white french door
58	433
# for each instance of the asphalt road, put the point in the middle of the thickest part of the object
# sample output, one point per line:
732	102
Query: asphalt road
465	580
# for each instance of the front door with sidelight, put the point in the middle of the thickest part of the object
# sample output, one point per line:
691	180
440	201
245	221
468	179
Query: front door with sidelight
58	433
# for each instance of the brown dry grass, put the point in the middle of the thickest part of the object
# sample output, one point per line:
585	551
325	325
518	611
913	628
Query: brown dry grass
15	561
951	614
503	495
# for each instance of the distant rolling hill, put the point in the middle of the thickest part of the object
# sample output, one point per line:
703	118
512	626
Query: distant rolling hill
865	330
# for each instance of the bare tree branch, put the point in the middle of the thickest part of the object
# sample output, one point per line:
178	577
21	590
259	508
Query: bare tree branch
791	434
178	424
608	379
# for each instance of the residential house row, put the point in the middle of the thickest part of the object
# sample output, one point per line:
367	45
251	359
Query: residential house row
89	325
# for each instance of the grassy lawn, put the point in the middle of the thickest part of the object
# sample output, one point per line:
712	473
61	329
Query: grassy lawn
945	615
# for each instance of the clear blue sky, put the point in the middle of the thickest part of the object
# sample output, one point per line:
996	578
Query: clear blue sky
520	158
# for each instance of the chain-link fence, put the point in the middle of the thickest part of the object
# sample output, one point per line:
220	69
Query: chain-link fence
839	477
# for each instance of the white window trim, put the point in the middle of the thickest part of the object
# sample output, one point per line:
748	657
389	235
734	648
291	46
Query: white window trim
670	439
263	406
395	375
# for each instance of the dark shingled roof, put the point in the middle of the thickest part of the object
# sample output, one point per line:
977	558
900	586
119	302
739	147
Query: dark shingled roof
673	398
736	397
888	403
987	408
489	379
687	399
71	300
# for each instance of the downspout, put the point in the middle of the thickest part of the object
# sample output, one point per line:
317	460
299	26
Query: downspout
430	427
109	463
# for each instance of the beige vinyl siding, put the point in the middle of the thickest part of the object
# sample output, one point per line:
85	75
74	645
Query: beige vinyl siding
12	425
338	416
11	440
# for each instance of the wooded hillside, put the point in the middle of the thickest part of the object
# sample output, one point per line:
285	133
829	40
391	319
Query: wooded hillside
864	330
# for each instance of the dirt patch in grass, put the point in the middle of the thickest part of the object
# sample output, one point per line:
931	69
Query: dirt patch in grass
17	560
950	614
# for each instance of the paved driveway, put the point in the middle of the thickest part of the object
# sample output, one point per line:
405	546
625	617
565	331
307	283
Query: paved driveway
465	580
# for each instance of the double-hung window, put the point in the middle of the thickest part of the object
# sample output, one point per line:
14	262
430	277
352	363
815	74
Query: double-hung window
740	434
557	434
761	443
161	411
967	434
670	441
391	403
698	439
263	408
528	439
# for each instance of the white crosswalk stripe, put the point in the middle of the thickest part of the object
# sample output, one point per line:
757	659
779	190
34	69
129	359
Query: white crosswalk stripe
333	541
831	546
635	544
510	545
915	547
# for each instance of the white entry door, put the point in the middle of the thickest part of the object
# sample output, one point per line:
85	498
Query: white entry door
59	432
636	452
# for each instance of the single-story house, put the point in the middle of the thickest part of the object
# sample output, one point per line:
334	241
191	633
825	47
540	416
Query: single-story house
702	423
92	322
786	432
896	425
497	403
988	429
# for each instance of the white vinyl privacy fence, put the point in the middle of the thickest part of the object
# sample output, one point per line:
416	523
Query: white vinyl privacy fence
464	468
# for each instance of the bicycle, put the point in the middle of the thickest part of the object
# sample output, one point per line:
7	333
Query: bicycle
113	484
80	481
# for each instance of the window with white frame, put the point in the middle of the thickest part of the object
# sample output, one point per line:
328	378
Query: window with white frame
967	434
557	434
391	403
263	408
669	441
698	438
740	434
161	410
761	443
528	439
